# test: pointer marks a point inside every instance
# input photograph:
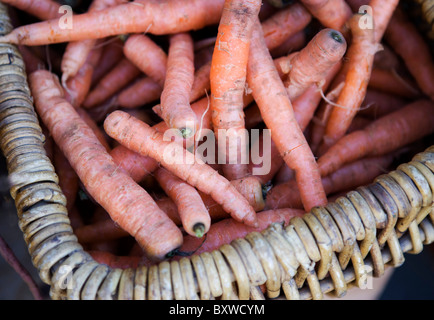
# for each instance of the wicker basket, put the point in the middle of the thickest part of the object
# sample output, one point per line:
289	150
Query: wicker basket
327	250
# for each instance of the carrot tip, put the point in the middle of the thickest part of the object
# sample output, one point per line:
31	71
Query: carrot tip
199	230
186	132
337	36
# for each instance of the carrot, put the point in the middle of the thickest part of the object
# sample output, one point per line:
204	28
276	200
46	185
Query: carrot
377	104
129	205
228	80
175	102
193	213
277	112
284	24
147	56
151	16
43	10
227	230
331	13
407	41
78	86
147	141
382	136
143	91
360	58
112	52
119	77
311	64
100	134
76	52
389	81
352	175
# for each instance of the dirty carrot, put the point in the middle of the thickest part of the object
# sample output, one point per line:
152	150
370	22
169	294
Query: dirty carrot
331	13
382	136
118	78
228	80
192	212
175	98
76	52
360	58
129	205
155	17
311	64
227	230
277	112
147	141
146	55
352	175
43	10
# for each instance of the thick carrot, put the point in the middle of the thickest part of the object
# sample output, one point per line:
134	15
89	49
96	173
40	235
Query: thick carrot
284	24
228	80
360	61
311	64
192	212
43	10
146	55
129	205
277	112
76	52
147	141
175	98
151	16
352	175
227	230
382	136
118	78
331	13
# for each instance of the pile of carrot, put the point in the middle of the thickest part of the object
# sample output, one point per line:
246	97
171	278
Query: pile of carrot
302	102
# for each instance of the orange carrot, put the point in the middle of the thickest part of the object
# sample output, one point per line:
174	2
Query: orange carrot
43	10
331	13
143	91
378	104
129	205
407	41
360	61
227	230
76	52
352	175
147	56
192	212
175	98
277	112
147	141
151	16
382	136
285	23
99	133
119	77
228	80
311	64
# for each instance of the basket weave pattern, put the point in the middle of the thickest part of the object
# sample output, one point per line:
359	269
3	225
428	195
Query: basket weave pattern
328	249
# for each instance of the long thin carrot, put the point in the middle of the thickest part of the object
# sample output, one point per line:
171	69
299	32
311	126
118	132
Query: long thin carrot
382	136
408	42
119	77
331	13
143	91
311	64
175	98
228	80
360	61
147	141
192	212
352	175
151	16
227	230
76	52
44	9
277	112
149	57
129	205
